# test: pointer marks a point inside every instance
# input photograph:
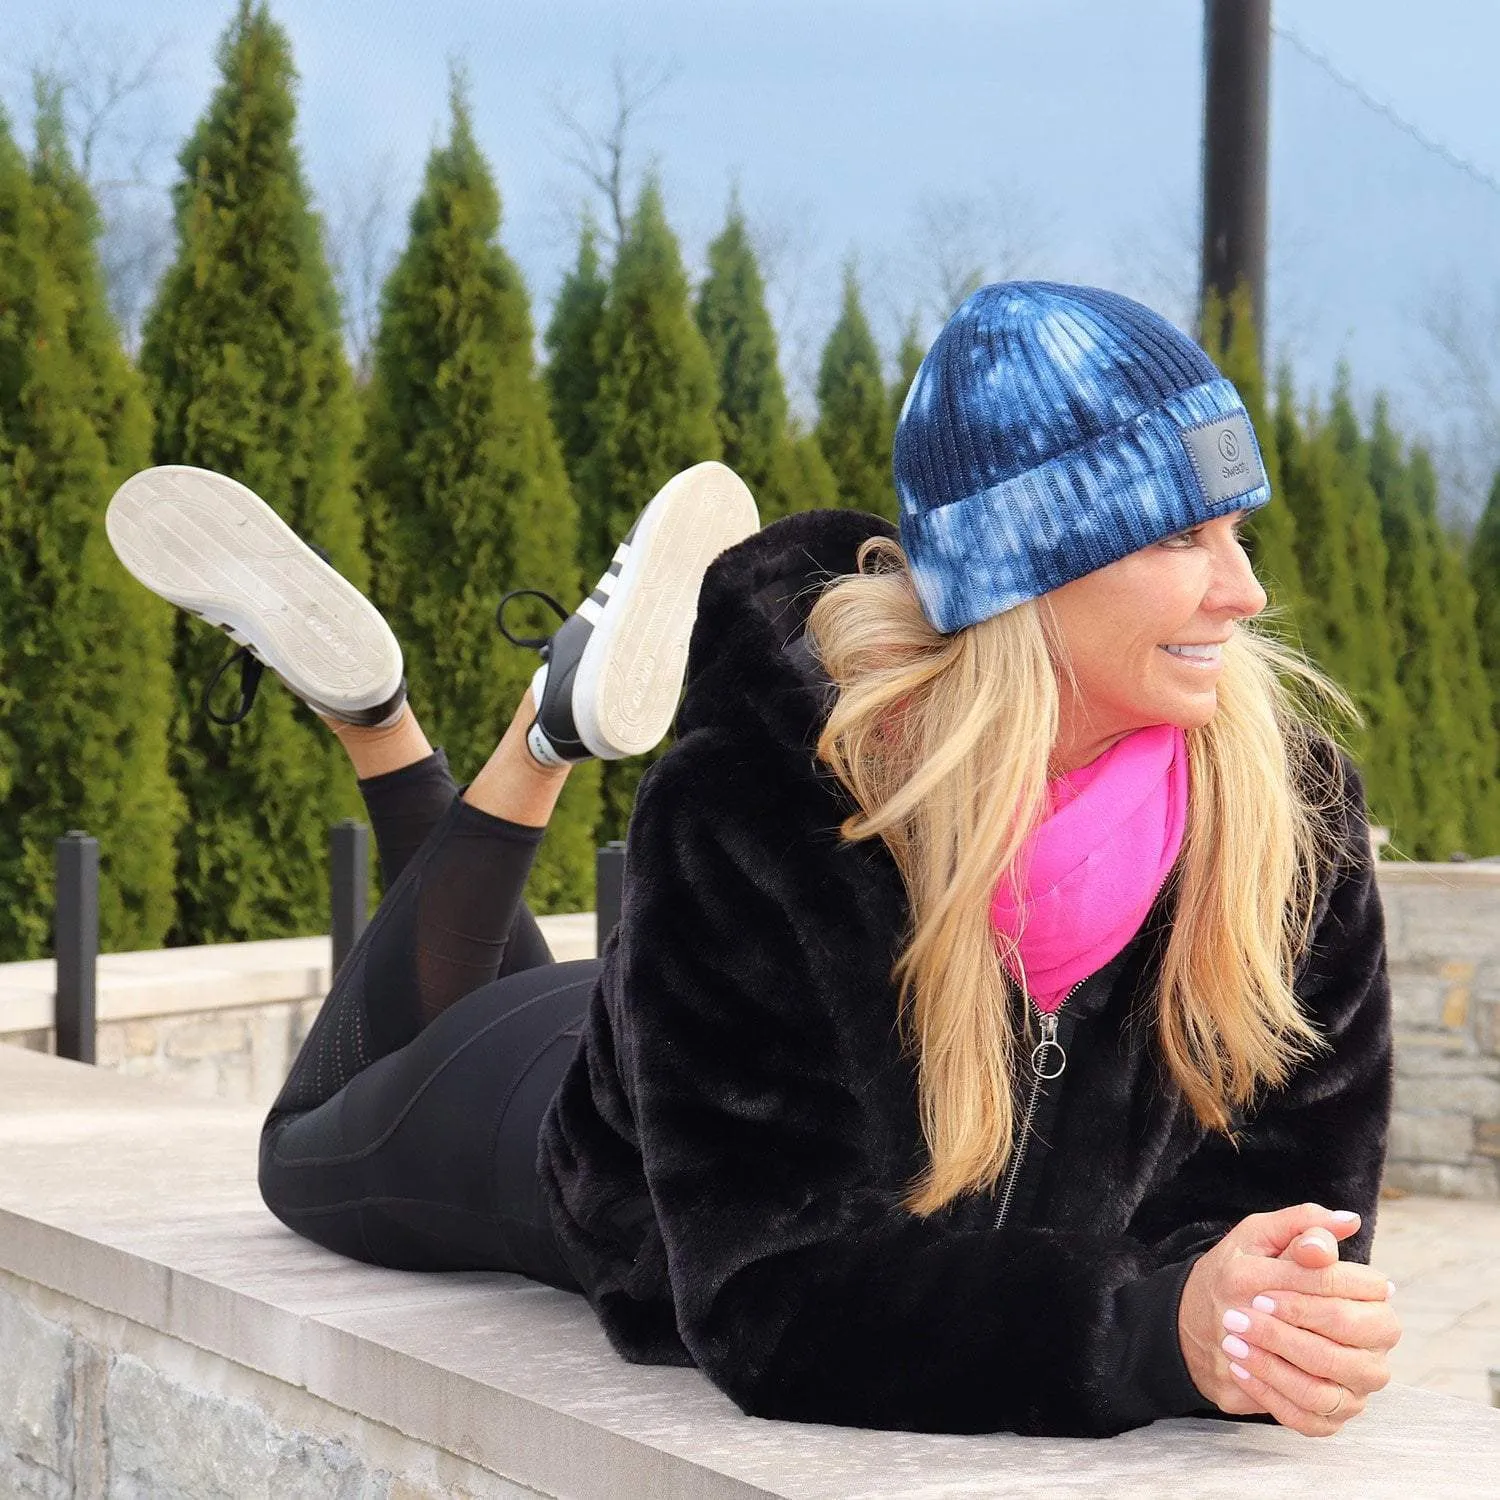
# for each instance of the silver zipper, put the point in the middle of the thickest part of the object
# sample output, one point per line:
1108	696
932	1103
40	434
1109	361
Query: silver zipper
1043	1070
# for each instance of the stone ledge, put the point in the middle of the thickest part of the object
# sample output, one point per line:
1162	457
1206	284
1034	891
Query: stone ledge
135	1211
215	976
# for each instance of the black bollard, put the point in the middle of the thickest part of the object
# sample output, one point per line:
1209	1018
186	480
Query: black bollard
76	945
349	882
609	882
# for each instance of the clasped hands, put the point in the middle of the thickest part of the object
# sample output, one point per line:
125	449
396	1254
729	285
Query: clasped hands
1271	1320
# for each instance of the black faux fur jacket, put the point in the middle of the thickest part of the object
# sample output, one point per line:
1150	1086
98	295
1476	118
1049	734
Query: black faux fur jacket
725	1161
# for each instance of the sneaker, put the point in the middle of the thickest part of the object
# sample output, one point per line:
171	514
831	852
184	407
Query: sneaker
211	546
612	672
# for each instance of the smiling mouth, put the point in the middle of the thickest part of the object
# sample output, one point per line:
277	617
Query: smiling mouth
1196	656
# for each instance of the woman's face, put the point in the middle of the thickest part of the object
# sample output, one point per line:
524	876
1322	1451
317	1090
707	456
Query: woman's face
1123	627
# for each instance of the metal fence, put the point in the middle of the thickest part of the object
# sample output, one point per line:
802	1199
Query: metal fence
76	927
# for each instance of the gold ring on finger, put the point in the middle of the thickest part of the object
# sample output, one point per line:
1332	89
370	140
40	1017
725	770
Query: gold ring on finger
1338	1405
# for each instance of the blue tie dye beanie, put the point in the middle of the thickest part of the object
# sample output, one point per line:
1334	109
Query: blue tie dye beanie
1050	431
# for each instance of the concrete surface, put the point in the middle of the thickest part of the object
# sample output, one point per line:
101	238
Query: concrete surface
129	1221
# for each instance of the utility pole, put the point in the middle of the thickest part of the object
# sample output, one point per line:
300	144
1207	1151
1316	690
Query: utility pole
1236	98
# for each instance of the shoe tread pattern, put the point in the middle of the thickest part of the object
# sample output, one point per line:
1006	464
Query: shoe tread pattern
213	547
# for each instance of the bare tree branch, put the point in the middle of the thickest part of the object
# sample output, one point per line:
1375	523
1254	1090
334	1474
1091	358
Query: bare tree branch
1461	379
108	85
599	153
960	241
360	253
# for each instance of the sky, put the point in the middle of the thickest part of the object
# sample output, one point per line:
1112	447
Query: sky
1052	138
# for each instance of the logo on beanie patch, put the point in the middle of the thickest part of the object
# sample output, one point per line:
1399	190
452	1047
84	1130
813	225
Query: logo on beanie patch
1225	458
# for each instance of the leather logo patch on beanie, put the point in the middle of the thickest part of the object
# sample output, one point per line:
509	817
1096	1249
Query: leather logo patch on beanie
1052	430
1226	458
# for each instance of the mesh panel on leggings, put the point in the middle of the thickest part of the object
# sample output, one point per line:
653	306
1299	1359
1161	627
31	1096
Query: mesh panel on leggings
444	928
338	1044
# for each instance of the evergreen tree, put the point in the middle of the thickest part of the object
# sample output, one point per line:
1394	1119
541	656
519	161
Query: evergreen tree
1370	663
801	479
1484	577
655	415
467	491
245	366
732	315
909	357
1422	648
1477	749
854	416
84	673
572	364
1271	531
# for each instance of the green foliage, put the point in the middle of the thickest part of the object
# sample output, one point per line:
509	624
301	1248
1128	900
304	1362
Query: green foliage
909	357
655	415
572	363
1424	649
1484	575
84	677
854	416
1272	531
1369	661
732	315
800	478
467	491
246	371
1472	762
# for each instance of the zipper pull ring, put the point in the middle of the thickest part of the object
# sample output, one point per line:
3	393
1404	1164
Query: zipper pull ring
1048	1058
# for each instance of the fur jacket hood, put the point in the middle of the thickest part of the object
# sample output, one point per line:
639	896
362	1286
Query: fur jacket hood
726	1159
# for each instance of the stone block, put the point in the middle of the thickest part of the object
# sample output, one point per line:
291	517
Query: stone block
1479	1179
36	1383
170	1442
1431	1138
206	1038
1417	1000
109	1046
1473	1094
142	1038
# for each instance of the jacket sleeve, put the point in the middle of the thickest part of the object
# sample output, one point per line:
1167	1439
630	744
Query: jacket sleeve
1322	1137
803	1288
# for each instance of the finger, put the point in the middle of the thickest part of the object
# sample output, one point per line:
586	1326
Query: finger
1359	1371
1270	1234
1287	1412
1360	1325
1344	1278
1315	1249
1315	1396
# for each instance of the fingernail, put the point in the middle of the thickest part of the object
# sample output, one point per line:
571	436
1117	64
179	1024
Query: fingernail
1237	1347
1262	1304
1312	1242
1236	1321
1344	1215
1240	1373
1390	1289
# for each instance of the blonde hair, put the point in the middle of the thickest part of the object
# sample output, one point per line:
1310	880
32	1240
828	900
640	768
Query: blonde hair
943	742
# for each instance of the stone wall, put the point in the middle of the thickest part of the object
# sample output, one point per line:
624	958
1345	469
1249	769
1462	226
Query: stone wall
242	1053
226	1021
94	1406
1443	937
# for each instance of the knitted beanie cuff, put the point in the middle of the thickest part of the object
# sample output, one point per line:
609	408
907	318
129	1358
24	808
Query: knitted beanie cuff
1190	459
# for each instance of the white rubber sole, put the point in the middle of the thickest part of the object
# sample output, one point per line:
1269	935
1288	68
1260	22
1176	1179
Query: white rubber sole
209	545
630	675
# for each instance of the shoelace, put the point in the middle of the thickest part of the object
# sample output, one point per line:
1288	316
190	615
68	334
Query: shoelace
252	669
533	642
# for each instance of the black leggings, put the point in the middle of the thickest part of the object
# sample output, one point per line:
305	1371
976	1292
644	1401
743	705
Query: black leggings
406	1132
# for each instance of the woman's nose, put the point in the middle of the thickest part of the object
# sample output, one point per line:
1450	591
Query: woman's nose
1237	590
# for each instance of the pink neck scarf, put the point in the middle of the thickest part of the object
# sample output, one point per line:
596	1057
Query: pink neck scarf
1092	868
